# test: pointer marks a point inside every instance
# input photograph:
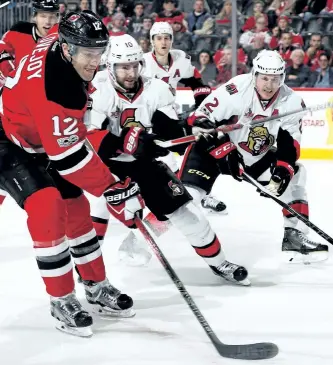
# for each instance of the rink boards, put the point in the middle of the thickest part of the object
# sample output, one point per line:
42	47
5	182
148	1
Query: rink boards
317	140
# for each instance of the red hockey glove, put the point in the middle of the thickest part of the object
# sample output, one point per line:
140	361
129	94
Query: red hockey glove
280	179
140	144
124	201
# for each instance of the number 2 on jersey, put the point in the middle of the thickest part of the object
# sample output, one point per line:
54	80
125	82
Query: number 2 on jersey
212	105
71	129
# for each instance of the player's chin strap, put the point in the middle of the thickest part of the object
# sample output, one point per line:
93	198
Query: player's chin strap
252	123
293	212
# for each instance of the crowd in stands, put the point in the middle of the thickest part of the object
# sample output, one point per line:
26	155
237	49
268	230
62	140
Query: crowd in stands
300	30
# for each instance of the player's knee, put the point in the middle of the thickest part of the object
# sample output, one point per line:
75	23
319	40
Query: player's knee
79	221
46	215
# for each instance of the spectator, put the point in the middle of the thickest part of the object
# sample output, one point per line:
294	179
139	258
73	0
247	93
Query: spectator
111	6
207	68
136	22
223	19
225	73
144	44
257	46
283	25
314	50
181	38
84	5
117	25
169	12
186	6
144	32
260	31
277	8
62	9
323	77
297	75
197	19
241	55
258	11
285	48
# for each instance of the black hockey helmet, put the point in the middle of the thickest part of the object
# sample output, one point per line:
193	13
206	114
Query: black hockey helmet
83	29
51	6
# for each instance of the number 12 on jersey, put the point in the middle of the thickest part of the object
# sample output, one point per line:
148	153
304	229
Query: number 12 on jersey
68	131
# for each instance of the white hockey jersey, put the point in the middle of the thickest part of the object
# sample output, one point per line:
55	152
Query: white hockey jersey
180	67
123	112
239	101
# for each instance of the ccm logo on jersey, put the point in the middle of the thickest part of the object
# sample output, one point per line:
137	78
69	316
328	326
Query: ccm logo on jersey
131	142
197	172
120	197
67	141
223	150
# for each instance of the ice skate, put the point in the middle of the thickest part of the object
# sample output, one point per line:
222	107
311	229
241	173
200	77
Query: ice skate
232	272
213	205
106	300
297	248
133	253
70	317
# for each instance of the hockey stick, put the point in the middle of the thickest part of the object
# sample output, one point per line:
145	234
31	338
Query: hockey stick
256	351
253	123
293	212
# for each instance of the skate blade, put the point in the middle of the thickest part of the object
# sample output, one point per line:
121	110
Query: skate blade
85	332
112	313
292	257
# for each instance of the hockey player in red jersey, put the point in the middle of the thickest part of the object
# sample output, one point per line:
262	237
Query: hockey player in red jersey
133	106
45	162
22	38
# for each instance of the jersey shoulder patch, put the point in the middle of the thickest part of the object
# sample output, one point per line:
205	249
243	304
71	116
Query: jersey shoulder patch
22	27
231	88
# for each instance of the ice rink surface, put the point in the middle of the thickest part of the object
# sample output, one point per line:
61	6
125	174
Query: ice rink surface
291	305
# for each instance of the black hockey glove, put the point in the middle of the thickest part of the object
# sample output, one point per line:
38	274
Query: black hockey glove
280	179
140	144
226	153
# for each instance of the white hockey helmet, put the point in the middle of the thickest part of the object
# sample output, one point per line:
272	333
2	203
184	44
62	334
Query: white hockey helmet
269	63
160	28
123	49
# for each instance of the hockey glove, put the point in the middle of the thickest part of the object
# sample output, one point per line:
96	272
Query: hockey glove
200	94
226	152
140	144
124	201
280	179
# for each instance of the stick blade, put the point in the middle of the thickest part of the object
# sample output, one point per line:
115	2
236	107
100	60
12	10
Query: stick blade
255	351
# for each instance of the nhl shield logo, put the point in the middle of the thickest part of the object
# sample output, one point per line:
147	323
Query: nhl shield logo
176	188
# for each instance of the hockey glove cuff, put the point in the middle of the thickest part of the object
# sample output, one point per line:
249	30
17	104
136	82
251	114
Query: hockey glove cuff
281	176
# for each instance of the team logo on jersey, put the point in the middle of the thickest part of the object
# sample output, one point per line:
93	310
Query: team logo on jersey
127	119
176	188
231	89
258	141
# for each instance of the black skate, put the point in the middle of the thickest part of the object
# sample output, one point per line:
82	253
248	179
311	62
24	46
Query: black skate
213	205
107	300
70	316
297	248
232	272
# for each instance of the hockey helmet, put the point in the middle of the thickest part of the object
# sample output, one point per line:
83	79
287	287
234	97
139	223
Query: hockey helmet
123	49
269	63
160	28
51	6
83	29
